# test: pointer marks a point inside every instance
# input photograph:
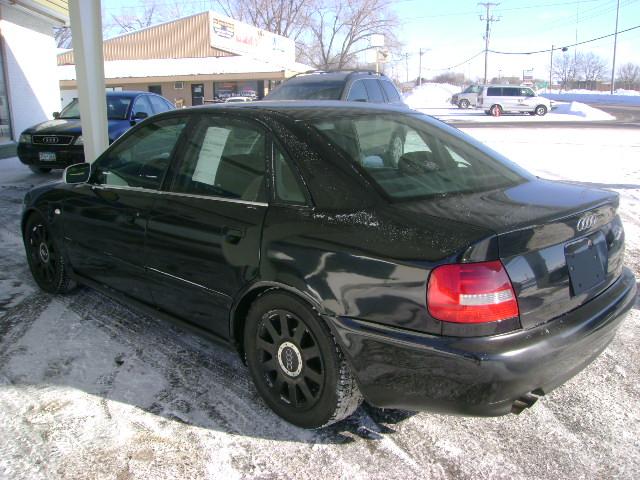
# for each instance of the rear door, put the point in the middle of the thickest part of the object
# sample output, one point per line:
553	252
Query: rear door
203	235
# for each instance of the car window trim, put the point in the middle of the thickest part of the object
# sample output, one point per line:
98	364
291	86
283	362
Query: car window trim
351	88
180	194
273	195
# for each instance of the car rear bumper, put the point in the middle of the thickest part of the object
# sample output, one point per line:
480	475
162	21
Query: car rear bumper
65	155
481	375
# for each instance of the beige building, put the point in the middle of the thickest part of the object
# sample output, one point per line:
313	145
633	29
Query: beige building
193	60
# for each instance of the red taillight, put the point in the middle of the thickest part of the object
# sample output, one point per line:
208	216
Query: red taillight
471	293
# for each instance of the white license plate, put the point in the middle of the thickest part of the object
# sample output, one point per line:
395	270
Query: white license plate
47	156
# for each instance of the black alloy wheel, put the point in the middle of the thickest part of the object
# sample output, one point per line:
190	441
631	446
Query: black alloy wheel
290	359
46	262
295	363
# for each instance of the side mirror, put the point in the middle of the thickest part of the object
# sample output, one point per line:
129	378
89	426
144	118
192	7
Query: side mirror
77	173
56	115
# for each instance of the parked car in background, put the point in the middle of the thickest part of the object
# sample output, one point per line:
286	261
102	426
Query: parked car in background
467	98
58	143
499	99
353	86
446	279
238	99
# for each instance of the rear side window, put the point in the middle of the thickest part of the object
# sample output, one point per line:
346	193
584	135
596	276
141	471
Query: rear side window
288	188
511	92
158	104
373	90
224	158
390	90
358	93
494	92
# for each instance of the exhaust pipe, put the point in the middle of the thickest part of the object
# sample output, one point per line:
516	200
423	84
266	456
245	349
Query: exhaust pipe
526	401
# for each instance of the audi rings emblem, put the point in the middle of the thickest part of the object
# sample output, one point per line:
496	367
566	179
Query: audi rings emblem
290	359
587	221
49	139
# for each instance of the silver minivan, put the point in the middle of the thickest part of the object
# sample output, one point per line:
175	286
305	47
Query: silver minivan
498	99
467	98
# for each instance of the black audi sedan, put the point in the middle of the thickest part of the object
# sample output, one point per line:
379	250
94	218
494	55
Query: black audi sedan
346	251
58	143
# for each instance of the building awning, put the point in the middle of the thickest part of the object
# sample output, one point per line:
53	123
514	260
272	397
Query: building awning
185	67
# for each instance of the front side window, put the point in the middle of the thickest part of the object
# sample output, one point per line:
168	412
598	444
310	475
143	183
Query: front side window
142	105
408	158
158	104
140	160
224	158
527	92
494	91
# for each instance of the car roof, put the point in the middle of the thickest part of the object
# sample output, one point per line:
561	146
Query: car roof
128	93
332	76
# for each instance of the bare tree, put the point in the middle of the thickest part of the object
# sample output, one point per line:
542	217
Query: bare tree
62	36
629	75
564	69
289	18
339	30
591	67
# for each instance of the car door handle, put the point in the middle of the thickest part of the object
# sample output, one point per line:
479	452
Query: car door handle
233	235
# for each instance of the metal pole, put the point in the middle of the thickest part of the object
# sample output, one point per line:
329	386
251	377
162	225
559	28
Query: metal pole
420	69
406	60
488	19
550	69
615	45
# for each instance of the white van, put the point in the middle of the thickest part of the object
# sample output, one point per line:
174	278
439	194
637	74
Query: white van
498	99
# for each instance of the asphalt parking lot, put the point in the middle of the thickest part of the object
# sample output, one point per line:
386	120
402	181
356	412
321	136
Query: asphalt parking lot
92	389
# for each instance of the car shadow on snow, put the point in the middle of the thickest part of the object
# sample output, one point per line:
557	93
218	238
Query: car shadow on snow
91	343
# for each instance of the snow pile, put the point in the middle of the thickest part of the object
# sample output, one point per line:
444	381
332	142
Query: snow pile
620	97
431	95
582	110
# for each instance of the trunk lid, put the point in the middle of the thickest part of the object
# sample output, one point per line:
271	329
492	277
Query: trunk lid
562	244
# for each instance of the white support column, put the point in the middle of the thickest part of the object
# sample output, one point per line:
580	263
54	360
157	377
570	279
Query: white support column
86	29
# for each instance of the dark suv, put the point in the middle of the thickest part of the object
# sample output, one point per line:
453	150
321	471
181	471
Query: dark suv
58	143
353	86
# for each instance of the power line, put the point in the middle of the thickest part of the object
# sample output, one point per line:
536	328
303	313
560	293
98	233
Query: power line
566	46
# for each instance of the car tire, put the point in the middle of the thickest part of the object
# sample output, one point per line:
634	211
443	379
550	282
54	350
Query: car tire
495	110
39	169
464	103
45	258
295	363
396	148
541	110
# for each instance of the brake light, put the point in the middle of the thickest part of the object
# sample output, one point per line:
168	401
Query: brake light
471	293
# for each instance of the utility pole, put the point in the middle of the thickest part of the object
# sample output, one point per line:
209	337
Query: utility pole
406	60
420	68
550	70
489	19
615	44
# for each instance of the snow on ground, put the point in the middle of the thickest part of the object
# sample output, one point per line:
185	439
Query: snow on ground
431	95
91	389
434	99
620	97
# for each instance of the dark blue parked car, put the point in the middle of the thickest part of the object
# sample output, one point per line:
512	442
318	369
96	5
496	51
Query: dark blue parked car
58	143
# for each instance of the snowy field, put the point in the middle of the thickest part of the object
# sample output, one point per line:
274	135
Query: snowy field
90	389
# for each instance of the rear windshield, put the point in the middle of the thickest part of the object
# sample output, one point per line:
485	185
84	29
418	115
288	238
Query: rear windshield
117	108
307	91
408	158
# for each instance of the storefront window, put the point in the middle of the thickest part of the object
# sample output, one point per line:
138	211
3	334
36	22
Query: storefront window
224	90
5	121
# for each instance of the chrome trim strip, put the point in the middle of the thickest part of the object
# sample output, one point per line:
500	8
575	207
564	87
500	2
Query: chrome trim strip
179	194
40	141
187	282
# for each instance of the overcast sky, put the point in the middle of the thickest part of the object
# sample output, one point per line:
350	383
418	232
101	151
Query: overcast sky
451	32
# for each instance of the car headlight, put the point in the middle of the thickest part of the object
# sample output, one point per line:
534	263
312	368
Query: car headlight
24	138
79	141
